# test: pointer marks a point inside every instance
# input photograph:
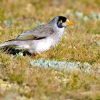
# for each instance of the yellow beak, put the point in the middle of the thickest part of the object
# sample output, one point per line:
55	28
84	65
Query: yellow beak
69	23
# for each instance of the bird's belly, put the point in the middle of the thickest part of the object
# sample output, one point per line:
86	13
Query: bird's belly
41	46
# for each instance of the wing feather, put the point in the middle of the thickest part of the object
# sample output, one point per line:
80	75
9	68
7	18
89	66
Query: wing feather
39	32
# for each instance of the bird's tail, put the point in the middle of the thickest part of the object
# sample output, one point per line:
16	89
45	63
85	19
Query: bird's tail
17	44
8	43
2	45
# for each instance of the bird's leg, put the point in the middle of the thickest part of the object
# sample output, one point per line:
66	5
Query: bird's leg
35	55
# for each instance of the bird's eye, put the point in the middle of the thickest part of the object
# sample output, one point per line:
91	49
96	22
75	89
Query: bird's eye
60	21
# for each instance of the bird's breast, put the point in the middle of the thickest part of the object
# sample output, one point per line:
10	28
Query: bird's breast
42	45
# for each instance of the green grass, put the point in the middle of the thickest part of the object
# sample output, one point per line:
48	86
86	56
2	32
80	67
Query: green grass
20	81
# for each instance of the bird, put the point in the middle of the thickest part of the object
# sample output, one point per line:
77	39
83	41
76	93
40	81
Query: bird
41	38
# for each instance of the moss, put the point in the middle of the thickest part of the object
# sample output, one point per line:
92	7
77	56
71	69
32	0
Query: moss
17	78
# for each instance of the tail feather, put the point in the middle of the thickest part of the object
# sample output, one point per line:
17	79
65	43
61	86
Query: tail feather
16	44
5	44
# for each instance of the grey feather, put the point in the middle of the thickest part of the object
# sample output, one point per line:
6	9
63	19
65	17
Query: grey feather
3	44
16	43
40	31
8	43
40	39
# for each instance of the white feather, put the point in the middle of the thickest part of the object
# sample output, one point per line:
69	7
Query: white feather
4	44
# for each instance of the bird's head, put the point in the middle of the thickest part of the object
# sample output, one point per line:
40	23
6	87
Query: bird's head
61	21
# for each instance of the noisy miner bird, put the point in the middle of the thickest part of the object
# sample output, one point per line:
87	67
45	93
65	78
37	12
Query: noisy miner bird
41	38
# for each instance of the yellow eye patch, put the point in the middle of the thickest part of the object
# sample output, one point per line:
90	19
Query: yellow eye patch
60	21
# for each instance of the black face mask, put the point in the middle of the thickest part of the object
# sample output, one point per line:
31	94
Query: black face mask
63	19
59	25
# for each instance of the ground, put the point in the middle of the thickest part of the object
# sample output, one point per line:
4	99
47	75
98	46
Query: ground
81	43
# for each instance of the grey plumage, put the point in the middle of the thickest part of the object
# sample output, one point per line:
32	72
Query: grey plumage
39	32
42	38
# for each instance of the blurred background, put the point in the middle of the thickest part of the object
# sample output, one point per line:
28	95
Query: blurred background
17	16
46	9
20	81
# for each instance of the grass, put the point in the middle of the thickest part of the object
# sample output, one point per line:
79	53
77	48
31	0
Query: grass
20	81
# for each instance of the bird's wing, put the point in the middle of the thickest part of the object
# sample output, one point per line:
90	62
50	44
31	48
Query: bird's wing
39	32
